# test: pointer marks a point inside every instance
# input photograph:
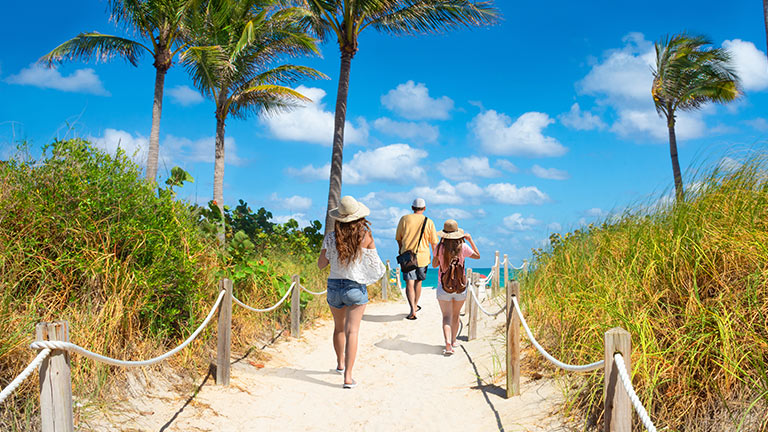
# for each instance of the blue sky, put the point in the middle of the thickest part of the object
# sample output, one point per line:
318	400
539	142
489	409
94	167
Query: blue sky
540	124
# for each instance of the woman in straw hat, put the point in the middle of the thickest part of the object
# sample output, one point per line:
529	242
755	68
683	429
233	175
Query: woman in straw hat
450	255
350	251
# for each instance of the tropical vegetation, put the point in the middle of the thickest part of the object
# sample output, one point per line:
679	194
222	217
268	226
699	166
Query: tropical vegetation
232	61
345	20
161	24
689	280
687	76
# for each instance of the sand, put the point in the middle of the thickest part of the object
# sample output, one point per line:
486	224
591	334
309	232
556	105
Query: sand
405	383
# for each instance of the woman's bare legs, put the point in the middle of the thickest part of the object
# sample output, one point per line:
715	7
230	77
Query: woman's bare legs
339	341
354	314
455	319
446	307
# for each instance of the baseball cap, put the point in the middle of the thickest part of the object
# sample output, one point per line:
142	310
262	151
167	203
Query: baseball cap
419	203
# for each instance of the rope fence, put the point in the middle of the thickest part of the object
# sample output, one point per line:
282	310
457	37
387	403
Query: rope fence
616	363
54	348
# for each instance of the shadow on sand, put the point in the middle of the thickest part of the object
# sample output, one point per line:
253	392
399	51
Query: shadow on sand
398	343
384	318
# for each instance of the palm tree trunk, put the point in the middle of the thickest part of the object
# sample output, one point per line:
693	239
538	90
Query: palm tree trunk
765	13
675	162
154	136
218	172
334	188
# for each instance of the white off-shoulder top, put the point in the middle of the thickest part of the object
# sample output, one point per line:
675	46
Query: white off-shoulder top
366	269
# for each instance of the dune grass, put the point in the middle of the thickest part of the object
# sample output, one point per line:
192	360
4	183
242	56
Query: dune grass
689	281
84	238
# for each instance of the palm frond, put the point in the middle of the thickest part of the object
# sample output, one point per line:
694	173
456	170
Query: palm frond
86	46
265	99
207	66
429	16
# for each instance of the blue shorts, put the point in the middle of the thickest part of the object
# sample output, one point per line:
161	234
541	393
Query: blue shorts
345	292
418	274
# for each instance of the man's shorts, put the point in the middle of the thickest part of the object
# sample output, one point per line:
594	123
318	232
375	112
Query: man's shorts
418	274
345	292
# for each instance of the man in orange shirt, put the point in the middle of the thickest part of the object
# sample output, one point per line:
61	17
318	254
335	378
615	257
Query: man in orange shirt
408	238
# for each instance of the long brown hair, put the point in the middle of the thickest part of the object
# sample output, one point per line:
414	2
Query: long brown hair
451	249
349	239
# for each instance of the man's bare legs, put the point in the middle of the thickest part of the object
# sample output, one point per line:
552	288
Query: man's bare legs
351	332
413	294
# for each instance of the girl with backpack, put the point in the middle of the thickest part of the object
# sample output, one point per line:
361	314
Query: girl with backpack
354	262
452	279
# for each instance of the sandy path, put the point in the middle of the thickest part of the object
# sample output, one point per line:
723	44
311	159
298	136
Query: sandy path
405	383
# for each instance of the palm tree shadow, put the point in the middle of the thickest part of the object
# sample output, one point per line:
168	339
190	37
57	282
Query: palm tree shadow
211	372
384	318
398	343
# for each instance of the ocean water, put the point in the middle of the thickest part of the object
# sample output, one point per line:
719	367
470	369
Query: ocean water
431	280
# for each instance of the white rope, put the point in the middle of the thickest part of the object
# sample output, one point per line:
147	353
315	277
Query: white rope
24	374
271	308
522	266
92	355
312	292
489	278
556	362
639	408
480	305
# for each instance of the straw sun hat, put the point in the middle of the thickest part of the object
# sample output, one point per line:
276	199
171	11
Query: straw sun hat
451	230
349	210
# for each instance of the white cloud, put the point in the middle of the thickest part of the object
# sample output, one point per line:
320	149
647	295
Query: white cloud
80	81
443	193
296	202
506	193
185	95
550	173
134	146
554	226
174	148
750	63
412	131
498	134
412	101
646	122
581	120
625	74
455	213
466	168
300	218
506	165
516	222
758	123
312	123
596	212
395	163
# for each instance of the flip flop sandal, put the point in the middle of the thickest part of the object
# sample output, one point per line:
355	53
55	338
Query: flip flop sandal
351	385
418	308
447	353
411	317
339	371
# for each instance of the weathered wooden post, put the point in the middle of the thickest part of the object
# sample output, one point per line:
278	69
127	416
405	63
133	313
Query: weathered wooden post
618	411
468	302
495	287
513	340
506	271
224	334
385	284
55	380
473	311
296	306
399	284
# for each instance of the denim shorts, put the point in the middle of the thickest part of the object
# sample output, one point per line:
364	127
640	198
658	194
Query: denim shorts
345	292
419	274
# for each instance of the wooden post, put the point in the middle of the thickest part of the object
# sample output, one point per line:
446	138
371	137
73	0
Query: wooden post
513	340
399	284
385	284
296	306
473	311
55	381
468	302
224	334
506	272
495	287
618	410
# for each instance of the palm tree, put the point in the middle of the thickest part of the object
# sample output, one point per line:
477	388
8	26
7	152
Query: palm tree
235	46
765	17
157	21
345	20
687	76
